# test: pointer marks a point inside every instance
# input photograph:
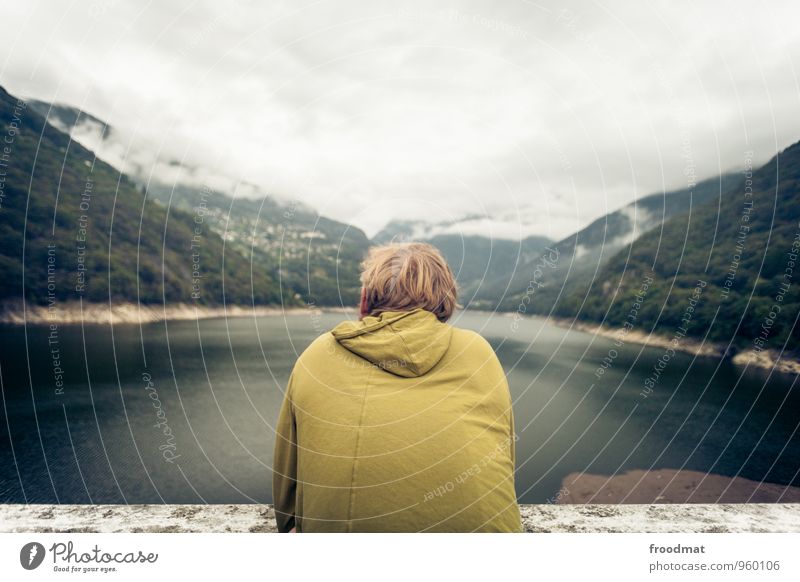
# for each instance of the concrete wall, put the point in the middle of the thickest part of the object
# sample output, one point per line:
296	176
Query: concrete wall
537	518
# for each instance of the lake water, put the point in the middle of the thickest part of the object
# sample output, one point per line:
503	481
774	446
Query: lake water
218	388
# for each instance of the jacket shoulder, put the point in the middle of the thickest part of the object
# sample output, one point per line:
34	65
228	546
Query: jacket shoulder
318	351
470	341
470	346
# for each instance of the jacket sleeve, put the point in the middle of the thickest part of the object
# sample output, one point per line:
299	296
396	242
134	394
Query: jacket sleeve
512	435
508	402
284	465
513	443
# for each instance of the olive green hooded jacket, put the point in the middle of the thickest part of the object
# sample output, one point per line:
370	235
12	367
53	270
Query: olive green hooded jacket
396	423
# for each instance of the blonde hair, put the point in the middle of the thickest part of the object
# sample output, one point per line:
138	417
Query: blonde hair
407	276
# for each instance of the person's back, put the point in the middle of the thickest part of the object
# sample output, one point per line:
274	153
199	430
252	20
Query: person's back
397	422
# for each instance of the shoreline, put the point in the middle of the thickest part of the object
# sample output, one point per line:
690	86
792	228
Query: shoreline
71	313
766	359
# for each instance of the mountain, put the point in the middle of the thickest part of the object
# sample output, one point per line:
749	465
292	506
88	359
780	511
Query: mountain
740	252
402	230
142	161
514	223
314	258
74	227
474	259
71	120
548	277
477	259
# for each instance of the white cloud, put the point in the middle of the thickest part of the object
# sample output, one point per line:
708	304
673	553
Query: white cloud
541	117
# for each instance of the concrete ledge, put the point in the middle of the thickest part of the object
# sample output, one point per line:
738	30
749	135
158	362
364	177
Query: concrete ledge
697	518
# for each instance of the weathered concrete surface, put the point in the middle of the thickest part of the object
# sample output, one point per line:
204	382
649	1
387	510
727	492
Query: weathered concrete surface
784	517
137	518
662	518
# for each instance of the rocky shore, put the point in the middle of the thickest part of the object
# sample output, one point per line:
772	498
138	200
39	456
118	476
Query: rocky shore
671	486
131	313
768	359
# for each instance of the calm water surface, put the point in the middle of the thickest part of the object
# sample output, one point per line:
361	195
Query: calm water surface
218	389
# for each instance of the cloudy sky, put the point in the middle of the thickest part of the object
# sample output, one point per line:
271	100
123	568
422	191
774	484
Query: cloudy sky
539	116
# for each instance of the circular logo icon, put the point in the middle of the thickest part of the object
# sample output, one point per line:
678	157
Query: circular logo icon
31	555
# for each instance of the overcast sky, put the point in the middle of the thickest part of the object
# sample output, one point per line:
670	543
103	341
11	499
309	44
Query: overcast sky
540	116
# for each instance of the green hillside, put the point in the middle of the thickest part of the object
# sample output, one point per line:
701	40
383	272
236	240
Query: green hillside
580	256
314	258
478	260
745	253
74	227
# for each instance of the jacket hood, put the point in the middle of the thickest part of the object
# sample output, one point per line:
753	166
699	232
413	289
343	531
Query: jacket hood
404	343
